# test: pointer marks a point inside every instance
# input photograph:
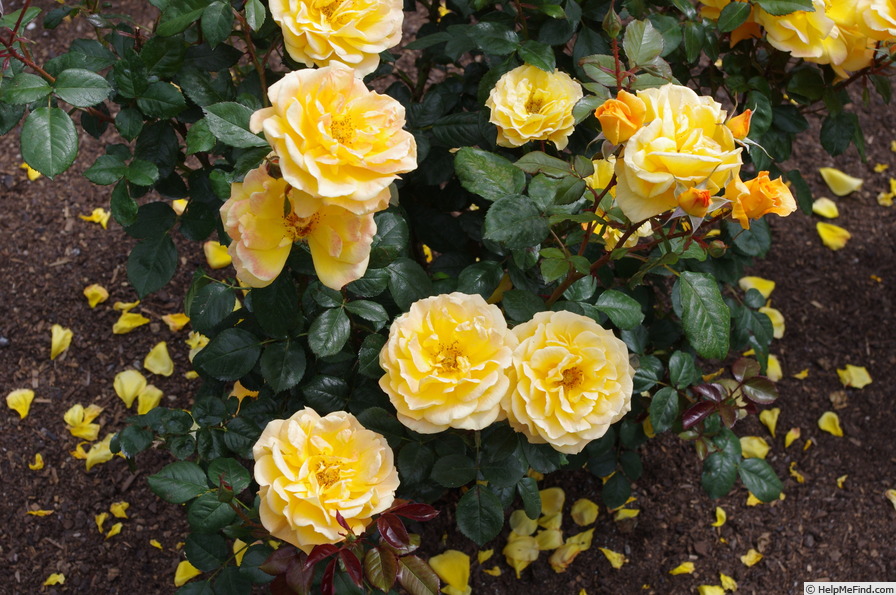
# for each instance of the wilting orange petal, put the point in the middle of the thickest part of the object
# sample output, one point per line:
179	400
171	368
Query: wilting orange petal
751	557
721	517
769	418
60	340
176	322
830	423
38	463
95	294
19	401
127	322
754	447
825	207
119	509
854	376
840	183
763	286
453	567
128	385
584	512
832	236
216	255
683	568
158	361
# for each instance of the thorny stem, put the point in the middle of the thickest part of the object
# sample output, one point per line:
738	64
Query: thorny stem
618	64
250	47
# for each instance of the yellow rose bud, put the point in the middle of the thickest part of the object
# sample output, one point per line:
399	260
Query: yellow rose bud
529	104
310	467
757	197
620	118
446	363
695	201
740	125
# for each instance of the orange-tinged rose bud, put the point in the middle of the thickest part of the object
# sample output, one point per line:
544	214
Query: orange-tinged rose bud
740	125
620	118
695	201
757	197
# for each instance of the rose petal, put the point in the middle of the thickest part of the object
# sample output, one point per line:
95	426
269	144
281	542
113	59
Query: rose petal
763	286
185	571
127	322
176	322
20	400
754	447
148	399
683	568
751	557
616	559
826	208
721	517
854	376
38	463
453	567
95	294
840	183
710	590
57	578
769	418
728	583
830	423
216	255
128	385
119	509
60	340
158	361
792	434
833	236
796	474
584	512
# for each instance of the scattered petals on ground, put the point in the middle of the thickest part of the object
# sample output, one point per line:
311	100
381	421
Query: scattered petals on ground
854	376
825	207
777	321
683	568
100	452
802	374
796	474
891	496
754	447
40	512
584	512
79	421
20	400
721	517
57	578
453	567
564	555
552	500
100	520
769	418
158	361
841	481
830	423
148	399
792	434
119	509
616	559
32	174
520	551
710	590
185	571
728	583
763	286
773	371
155	543
522	524
833	236
127	322
38	463
60	340
751	558
98	215
95	294
216	255
115	530
128	385
839	182
177	321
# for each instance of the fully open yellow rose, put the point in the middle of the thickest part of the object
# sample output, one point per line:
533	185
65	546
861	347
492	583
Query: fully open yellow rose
310	467
529	103
801	33
446	363
352	32
757	197
264	222
683	144
335	139
571	378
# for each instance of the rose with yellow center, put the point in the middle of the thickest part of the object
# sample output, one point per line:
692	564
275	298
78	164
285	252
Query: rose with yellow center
335	139
683	144
572	380
446	363
309	467
264	221
757	197
352	32
529	104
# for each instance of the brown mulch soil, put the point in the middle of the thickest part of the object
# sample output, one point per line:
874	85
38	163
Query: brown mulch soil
838	307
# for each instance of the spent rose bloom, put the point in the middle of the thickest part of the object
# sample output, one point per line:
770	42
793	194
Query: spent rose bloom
571	378
352	32
309	467
683	144
263	232
620	118
336	139
446	363
757	197
529	104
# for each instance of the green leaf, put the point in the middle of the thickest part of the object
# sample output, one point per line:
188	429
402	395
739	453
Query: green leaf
616	491
329	332
129	123
217	22
664	409
283	365
538	54
142	173
733	16
369	356
527	488
326	393
719	473
10	115
207	514
8	21
454	471
177	16
229	122
538	162
480	515
196	588
368	310
515	222
704	315
230	355
486	174
24	88
178	482
760	479
417	577
133	440
381	568
49	141
107	169
683	370
521	305
200	138
694	37
255	14
780	8
230	472
837	131
624	311
206	552
161	100
275	308
648	373
642	43
481	277
151	264
124	208
211	304
81	88
408	282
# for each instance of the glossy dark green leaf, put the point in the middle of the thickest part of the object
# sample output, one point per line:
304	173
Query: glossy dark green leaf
206	551
230	355
527	488
733	16
283	364
454	471
664	409
704	315
142	173
217	22
782	7
616	491
200	138
49	141
538	54
480	515
161	100
151	264
683	370
207	514
515	222
210	305
642	43
133	440
624	311
81	88
329	332
369	356
229	472
129	123
255	14
24	88
487	174
408	282
719	474
178	482
760	479
229	122
107	169
276	307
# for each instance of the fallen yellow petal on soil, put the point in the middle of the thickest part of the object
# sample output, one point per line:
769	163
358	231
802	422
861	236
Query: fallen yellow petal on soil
155	543
493	571
125	306
841	481
777	321
185	571
891	496
721	517
616	559
158	361
95	294
522	524
483	556
625	513
32	174
832	236
216	255
100	452
769	418
552	500
683	568
100	520
584	512
78	420
549	539
830	423
751	558
520	551
564	555
796	474
40	512
148	399
880	167
728	583
98	215
839	182
127	322
38	463
710	590
60	340
119	509
453	567
754	447
825	207
128	385
854	376
792	434
20	400
802	374
763	286
57	578
176	322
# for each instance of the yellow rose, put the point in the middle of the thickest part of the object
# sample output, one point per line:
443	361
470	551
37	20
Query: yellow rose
446	363
263	232
757	197
620	118
336	139
879	20
352	32
801	33
572	380
848	47
740	124
529	104
309	467
683	144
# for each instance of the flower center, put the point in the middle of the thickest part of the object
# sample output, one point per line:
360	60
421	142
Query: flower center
535	102
342	130
571	378
329	8
450	358
297	228
327	474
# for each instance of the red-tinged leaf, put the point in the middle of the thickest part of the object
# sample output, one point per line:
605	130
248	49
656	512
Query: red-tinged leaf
381	568
352	567
393	530
279	586
326	581
417	577
279	560
299	578
416	511
713	392
696	413
761	390
320	552
413	545
341	520
751	408
728	414
744	368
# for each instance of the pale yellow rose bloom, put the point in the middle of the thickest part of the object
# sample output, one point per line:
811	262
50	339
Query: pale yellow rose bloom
446	363
848	47
801	33
352	32
879	18
684	143
529	104
336	139
310	467
572	380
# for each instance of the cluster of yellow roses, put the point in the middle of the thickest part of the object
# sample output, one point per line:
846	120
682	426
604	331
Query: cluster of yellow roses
680	152
338	146
452	362
842	33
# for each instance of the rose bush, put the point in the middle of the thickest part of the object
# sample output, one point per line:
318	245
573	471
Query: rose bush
510	245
